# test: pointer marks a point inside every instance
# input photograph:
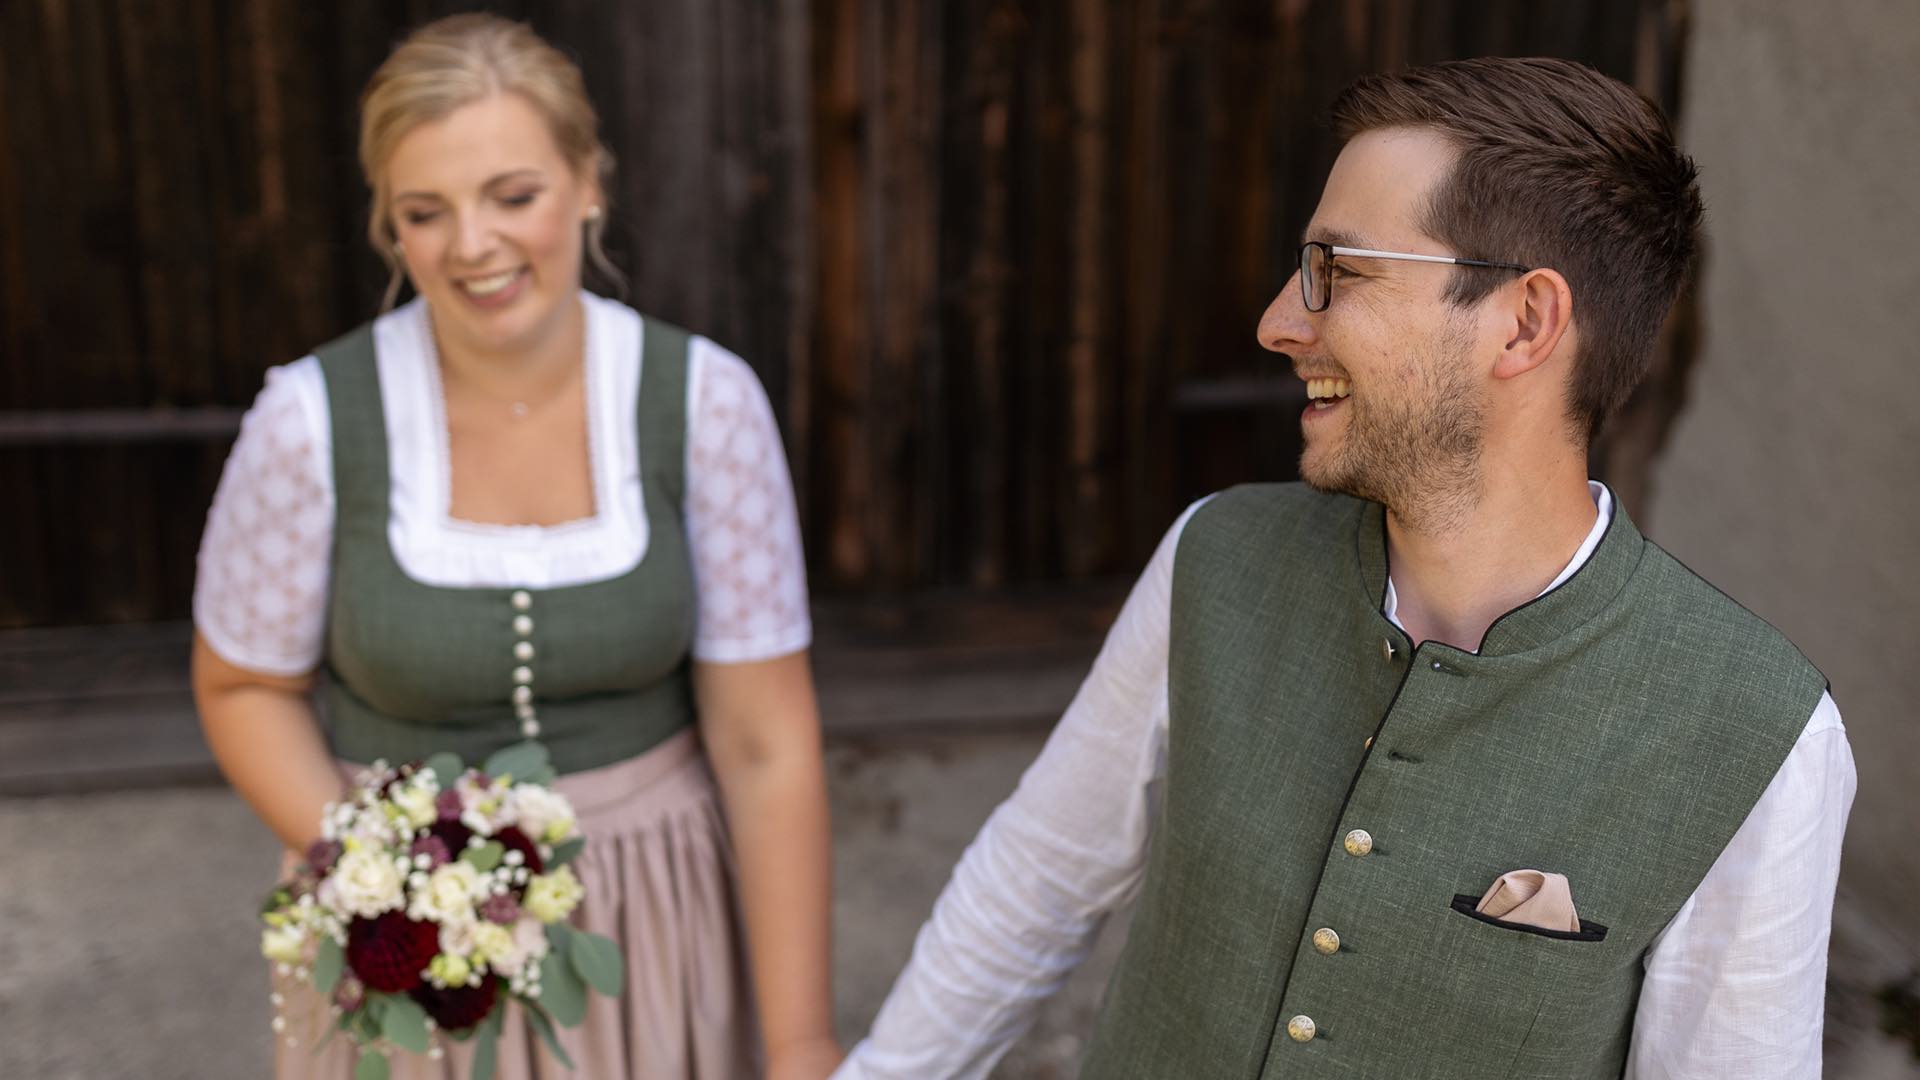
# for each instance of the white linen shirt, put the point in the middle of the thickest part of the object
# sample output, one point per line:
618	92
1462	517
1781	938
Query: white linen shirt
260	598
1735	983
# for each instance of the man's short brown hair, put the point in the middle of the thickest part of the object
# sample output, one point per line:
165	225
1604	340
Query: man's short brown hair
1561	167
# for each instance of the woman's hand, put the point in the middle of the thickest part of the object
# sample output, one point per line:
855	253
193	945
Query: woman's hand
806	1059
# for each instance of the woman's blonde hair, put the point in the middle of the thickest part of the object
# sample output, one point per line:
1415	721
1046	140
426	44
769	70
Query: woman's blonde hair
459	60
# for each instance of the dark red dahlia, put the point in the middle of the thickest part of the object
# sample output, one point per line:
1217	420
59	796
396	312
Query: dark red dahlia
459	1007
513	839
451	833
388	953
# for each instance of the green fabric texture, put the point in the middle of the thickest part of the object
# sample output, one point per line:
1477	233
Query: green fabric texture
416	669
1616	730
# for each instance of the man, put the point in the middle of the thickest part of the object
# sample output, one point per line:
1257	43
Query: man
1448	771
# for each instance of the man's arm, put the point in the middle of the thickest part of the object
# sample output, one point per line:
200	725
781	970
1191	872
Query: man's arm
1736	983
1032	890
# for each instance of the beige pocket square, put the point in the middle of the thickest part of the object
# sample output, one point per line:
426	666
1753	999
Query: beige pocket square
1531	898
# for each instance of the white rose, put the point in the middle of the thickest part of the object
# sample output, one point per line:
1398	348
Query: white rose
544	815
527	945
452	890
552	897
283	944
366	883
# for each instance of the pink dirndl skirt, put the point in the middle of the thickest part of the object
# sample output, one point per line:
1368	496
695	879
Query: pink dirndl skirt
658	874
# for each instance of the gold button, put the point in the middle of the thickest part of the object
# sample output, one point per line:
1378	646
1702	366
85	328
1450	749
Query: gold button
523	625
1325	941
522	600
1369	745
523	650
1300	1029
1359	842
1387	650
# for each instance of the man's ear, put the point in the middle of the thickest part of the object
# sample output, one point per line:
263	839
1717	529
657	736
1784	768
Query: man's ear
1541	313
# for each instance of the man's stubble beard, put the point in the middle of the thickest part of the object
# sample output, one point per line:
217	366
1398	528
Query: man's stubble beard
1420	456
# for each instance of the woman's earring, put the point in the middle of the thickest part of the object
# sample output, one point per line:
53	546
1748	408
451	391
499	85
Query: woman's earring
399	250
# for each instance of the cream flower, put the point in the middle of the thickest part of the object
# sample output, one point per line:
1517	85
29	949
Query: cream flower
284	944
529	946
552	897
452	890
417	803
492	944
365	882
543	813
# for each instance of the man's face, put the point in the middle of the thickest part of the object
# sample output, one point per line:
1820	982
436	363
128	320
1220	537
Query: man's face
1410	427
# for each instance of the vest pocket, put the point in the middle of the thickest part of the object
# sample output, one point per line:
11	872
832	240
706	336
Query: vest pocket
1589	931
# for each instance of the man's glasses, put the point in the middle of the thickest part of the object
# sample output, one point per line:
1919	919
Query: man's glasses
1316	267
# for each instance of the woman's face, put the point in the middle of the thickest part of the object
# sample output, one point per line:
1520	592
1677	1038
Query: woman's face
488	214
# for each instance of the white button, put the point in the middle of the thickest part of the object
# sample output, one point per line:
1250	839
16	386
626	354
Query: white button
523	625
523	674
522	695
524	710
530	728
523	650
522	600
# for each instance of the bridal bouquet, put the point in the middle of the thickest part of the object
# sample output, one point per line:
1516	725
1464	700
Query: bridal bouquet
436	894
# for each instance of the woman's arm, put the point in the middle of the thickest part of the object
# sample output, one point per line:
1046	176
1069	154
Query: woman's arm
264	735
761	727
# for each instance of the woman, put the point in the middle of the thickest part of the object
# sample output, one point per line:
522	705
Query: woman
512	509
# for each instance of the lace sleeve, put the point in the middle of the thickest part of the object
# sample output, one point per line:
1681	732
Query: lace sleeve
260	598
742	526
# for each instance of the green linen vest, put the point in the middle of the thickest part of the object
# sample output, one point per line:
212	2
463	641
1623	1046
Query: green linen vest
600	669
1337	801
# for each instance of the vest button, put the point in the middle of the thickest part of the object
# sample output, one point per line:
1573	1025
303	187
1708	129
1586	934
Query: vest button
530	728
1300	1028
1358	842
1387	650
523	695
522	600
523	674
524	711
523	650
523	625
1325	941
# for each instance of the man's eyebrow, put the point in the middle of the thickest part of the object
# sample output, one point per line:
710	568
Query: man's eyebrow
1336	237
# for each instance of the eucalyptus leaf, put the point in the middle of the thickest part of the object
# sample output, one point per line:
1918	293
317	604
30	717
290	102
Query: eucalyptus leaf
486	1048
327	964
405	1024
519	761
598	961
545	1027
560	936
446	768
373	1066
485	857
566	852
561	990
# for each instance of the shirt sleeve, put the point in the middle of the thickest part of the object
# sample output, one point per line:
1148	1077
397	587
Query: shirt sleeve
1031	892
260	594
743	529
1736	984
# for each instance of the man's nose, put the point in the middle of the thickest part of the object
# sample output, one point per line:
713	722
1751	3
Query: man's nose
1287	326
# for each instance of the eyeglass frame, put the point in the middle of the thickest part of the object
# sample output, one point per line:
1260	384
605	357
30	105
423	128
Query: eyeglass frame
1333	250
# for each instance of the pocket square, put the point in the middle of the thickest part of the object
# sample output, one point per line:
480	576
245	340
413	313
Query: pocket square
1531	898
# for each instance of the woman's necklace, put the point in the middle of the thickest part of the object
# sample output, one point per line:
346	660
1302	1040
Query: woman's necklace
517	408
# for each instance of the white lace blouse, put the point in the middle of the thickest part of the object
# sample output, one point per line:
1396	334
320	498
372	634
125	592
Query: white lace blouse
260	599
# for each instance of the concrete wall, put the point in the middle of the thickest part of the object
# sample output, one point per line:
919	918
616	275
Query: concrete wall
1792	479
